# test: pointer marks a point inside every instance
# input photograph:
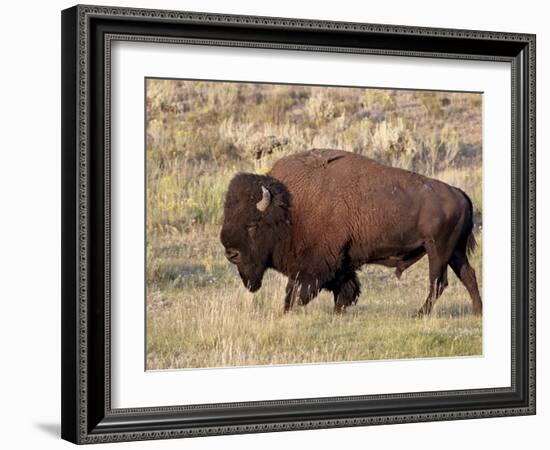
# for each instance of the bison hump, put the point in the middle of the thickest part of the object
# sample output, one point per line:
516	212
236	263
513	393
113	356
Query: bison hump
321	157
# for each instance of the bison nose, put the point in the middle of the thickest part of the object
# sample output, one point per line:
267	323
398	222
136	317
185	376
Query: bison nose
232	255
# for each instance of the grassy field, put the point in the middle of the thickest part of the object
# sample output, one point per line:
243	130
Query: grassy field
200	134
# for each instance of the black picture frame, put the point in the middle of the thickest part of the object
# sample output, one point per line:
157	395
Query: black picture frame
87	415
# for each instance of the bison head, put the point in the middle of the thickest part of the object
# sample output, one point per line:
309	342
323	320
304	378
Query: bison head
255	220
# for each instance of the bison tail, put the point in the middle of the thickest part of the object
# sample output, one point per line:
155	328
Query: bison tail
468	234
471	243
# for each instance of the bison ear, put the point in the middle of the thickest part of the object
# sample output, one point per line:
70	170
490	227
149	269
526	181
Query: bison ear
265	201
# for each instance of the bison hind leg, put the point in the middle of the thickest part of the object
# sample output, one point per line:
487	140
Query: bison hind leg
467	275
346	290
438	277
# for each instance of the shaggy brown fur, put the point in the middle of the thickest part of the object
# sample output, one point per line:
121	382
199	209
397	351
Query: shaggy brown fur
331	211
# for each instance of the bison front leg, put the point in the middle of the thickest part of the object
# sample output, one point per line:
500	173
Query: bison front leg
289	296
346	292
300	291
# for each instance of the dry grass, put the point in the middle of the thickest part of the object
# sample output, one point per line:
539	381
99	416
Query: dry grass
200	315
200	134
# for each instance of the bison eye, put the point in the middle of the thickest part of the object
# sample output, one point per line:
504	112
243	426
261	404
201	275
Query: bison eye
233	255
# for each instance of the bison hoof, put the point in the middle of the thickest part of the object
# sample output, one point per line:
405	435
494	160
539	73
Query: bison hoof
421	314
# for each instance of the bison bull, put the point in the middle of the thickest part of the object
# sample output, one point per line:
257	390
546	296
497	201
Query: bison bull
318	216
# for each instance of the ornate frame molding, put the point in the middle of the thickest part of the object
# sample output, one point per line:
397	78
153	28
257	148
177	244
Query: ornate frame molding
86	422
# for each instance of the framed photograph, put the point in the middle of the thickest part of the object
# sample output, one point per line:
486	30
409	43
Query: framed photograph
280	224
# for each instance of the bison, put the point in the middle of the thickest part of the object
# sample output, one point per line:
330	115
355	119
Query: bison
318	216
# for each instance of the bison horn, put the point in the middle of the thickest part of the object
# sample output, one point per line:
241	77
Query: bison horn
265	201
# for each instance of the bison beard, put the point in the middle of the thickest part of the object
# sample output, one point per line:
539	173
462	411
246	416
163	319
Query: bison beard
320	215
